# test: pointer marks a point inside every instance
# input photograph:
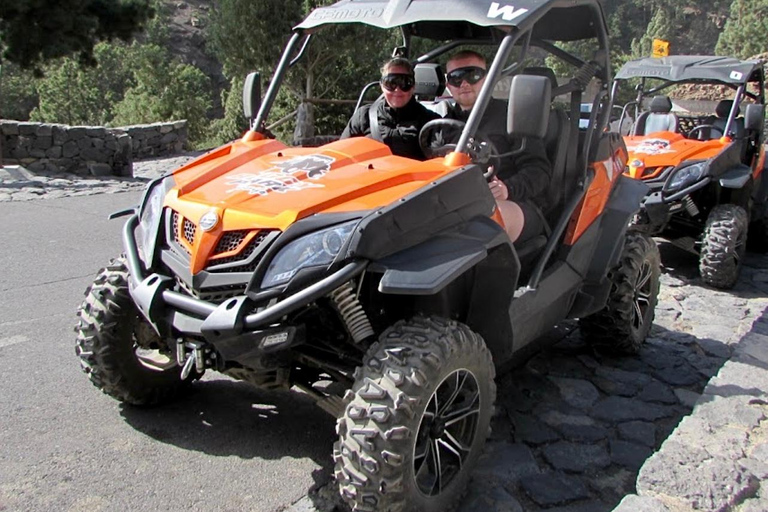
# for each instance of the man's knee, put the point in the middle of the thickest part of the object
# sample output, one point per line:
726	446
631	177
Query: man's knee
514	218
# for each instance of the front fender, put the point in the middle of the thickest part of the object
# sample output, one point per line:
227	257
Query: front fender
430	266
735	177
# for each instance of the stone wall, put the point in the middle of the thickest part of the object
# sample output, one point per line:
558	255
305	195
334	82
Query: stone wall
87	150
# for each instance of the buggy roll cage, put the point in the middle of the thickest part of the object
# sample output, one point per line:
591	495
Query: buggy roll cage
756	75
508	35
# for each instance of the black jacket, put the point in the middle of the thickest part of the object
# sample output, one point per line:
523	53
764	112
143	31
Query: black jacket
527	175
398	127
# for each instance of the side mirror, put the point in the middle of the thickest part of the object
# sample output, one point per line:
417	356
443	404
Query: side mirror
529	101
753	117
252	95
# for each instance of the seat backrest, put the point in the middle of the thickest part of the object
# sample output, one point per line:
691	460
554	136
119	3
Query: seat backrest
658	119
556	146
430	81
722	111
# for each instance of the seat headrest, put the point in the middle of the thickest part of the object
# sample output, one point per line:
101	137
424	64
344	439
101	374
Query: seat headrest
542	71
723	108
430	80
661	104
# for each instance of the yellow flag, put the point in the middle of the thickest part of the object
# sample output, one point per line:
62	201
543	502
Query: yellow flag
660	48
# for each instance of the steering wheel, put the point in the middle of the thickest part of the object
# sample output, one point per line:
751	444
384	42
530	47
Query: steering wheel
481	149
701	127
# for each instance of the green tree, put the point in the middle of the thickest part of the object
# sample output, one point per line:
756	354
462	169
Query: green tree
35	31
164	90
72	94
246	35
18	95
746	31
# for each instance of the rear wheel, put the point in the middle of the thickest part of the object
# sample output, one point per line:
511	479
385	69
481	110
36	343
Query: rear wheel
416	418
623	324
118	349
723	245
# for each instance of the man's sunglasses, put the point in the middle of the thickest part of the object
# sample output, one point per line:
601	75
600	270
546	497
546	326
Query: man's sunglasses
400	81
470	74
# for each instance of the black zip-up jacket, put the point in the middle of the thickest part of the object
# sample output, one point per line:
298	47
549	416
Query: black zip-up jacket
527	175
398	127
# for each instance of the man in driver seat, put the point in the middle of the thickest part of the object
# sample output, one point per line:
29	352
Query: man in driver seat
521	183
396	119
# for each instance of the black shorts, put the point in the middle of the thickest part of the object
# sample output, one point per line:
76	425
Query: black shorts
534	222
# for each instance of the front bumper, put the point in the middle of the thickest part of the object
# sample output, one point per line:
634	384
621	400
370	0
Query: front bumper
233	323
659	206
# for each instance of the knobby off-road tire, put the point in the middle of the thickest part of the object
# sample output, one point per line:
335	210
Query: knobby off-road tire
117	347
623	324
420	407
722	246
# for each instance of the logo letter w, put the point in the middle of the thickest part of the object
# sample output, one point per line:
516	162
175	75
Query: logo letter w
507	13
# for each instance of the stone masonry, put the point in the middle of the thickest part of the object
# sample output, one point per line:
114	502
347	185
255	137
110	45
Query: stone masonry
87	150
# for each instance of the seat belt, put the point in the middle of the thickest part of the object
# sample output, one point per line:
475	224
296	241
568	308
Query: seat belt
373	122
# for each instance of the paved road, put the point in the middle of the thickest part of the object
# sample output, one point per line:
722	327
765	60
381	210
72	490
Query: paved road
64	446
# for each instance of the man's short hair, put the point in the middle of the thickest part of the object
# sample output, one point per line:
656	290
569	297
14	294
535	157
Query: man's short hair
398	62
467	54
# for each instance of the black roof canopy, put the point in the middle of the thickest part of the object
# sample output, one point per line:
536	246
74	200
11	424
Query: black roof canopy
693	68
563	20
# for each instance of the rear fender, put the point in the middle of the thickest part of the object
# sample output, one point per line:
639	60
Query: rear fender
622	205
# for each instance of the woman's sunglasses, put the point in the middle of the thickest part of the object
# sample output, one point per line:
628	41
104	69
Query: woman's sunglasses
400	81
470	74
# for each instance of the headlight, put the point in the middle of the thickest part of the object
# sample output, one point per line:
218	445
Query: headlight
150	216
313	250
686	175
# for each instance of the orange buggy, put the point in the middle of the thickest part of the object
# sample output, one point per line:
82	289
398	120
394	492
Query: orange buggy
705	172
384	287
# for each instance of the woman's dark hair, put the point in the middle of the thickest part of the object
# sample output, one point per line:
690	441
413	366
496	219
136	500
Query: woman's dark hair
397	62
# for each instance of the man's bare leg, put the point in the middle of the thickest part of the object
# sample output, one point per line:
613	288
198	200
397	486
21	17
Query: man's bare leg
513	217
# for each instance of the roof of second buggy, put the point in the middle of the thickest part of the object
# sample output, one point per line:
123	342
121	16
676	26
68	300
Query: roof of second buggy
692	68
564	20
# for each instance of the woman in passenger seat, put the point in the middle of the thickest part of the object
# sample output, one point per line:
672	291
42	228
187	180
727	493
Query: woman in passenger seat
397	118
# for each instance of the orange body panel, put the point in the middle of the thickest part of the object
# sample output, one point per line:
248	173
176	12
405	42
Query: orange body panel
650	154
593	204
263	184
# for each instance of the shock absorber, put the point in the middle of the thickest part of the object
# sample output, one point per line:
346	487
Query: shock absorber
352	312
690	206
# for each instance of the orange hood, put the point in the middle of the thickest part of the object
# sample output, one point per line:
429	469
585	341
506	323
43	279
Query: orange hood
266	184
650	154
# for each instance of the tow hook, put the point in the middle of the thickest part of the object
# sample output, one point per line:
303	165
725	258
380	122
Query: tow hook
189	354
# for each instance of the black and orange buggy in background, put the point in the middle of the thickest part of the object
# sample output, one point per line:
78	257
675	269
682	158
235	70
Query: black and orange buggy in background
704	169
382	286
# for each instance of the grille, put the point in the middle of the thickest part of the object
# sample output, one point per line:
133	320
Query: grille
187	231
216	295
230	241
245	254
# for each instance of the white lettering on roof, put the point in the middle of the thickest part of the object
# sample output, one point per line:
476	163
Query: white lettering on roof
507	12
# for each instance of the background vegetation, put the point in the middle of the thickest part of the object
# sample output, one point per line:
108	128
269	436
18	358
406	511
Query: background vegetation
95	74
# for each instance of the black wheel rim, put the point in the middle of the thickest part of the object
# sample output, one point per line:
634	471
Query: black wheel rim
147	347
446	432
643	294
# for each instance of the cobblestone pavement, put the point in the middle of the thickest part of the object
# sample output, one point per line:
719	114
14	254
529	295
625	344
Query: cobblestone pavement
683	426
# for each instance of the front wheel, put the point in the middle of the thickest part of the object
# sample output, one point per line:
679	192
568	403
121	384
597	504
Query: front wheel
416	419
623	324
722	246
118	349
